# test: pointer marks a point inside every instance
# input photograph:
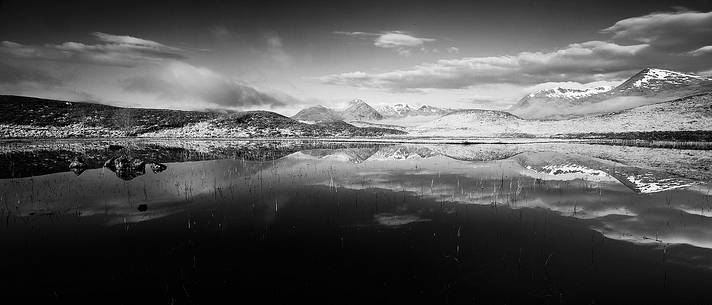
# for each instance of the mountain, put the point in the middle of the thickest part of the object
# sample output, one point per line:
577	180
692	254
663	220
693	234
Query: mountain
318	114
567	167
484	121
690	113
358	110
650	82
404	110
648	86
27	117
538	105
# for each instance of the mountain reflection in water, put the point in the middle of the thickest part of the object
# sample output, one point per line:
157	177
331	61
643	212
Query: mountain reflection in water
405	188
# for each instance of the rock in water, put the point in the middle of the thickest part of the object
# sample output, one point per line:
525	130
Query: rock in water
78	165
126	167
158	167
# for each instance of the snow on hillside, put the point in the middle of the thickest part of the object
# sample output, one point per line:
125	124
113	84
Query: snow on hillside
394	110
405	110
691	113
646	87
569	93
653	77
359	110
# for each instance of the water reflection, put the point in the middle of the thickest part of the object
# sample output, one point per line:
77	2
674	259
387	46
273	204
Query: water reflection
621	201
466	189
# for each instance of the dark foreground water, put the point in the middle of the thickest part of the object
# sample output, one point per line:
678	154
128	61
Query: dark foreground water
350	224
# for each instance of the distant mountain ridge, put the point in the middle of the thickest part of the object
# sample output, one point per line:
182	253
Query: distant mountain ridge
690	113
405	110
646	87
359	110
318	114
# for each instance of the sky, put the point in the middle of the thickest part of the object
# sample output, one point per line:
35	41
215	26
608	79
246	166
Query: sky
284	56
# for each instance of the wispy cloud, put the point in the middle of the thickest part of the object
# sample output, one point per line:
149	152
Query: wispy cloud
402	42
182	82
648	45
585	62
669	31
275	50
113	50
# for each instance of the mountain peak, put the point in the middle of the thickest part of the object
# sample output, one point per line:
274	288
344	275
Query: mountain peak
359	110
357	101
569	93
654	79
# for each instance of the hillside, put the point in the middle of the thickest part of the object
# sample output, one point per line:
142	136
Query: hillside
405	110
647	87
684	114
358	110
24	117
317	114
30	111
477	121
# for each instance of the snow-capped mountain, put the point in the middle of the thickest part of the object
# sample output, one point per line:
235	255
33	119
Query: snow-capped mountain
690	113
659	81
317	114
648	86
557	166
561	93
404	110
358	110
402	152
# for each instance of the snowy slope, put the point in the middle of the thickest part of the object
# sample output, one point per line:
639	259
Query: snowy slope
359	110
405	110
648	86
690	113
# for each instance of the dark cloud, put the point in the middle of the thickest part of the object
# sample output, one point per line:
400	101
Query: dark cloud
183	82
681	31
112	50
581	62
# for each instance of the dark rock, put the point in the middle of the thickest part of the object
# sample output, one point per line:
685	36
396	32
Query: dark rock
115	147
78	165
142	207
126	167
158	167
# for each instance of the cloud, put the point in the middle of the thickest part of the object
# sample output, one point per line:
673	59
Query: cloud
580	62
584	62
669	31
275	50
399	39
453	50
12	75
221	33
702	51
182	82
112	50
403	43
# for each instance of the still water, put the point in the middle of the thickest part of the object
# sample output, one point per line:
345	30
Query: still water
352	224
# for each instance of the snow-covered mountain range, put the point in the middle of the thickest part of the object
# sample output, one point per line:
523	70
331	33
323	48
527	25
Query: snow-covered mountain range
359	110
648	101
405	110
648	86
